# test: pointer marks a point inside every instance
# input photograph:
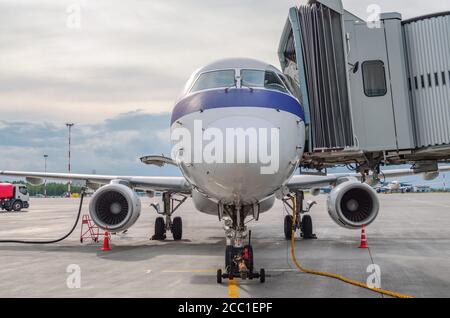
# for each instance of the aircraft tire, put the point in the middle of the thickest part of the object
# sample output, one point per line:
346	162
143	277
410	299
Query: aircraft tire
307	227
160	229
288	227
250	257
177	228
228	256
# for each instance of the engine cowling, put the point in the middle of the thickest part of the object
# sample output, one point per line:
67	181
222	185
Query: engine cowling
352	204
115	206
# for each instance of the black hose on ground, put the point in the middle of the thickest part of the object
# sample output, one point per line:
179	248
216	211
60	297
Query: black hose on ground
52	241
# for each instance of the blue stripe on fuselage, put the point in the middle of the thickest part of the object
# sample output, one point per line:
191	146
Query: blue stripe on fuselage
236	98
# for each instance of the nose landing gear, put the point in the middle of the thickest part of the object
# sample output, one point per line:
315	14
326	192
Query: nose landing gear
239	264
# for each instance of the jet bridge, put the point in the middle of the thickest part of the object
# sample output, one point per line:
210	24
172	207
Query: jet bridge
373	94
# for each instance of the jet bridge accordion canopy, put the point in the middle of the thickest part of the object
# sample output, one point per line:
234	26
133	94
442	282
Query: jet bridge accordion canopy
323	51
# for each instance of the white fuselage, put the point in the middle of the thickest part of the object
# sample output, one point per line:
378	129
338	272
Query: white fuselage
240	145
245	182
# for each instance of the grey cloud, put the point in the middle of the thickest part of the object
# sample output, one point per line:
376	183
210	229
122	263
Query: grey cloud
136	52
113	83
112	146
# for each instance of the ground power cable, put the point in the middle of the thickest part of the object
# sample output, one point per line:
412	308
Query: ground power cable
331	275
56	240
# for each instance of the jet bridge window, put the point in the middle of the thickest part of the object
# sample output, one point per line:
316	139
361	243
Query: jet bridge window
214	79
266	79
374	78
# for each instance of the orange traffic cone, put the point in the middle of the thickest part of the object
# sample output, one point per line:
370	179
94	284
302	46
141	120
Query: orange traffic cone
106	241
363	238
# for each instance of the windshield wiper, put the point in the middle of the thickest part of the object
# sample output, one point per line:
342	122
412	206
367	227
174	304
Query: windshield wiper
230	87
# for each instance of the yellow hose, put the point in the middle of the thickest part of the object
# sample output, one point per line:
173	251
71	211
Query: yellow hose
331	275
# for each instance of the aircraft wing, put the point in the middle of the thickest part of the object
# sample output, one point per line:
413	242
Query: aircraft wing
175	184
303	182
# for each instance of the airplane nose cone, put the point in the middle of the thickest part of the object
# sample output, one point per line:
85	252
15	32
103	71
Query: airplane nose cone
240	153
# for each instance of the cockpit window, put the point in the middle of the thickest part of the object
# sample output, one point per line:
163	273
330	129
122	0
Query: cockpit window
266	79
214	79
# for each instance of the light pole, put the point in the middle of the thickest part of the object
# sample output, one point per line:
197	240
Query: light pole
69	125
45	180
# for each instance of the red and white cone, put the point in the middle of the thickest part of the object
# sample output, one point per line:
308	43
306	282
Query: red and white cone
363	238
106	246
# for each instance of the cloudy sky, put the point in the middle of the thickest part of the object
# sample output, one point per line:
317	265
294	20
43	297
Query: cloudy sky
116	67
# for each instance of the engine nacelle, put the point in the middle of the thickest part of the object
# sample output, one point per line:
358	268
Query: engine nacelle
352	204
115	206
315	191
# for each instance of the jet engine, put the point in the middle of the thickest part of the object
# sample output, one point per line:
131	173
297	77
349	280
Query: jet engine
352	204
115	206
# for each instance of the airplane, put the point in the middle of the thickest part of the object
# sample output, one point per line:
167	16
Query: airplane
394	186
235	182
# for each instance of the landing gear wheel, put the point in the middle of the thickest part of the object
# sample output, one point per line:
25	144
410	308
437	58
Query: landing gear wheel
262	275
17	206
177	228
250	257
228	256
160	229
288	227
219	276
307	227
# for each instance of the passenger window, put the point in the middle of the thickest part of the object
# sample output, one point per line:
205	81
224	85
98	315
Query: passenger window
215	79
266	79
374	78
23	190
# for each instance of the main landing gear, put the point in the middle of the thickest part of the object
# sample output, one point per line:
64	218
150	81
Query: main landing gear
165	223
304	221
238	257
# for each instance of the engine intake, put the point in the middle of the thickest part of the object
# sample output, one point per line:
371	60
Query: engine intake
352	204
115	206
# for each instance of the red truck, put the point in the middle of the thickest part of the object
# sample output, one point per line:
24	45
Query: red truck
14	197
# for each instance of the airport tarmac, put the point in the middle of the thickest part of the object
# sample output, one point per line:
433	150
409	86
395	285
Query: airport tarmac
410	242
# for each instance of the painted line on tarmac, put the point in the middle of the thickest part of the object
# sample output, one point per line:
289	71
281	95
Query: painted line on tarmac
211	270
233	290
190	271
